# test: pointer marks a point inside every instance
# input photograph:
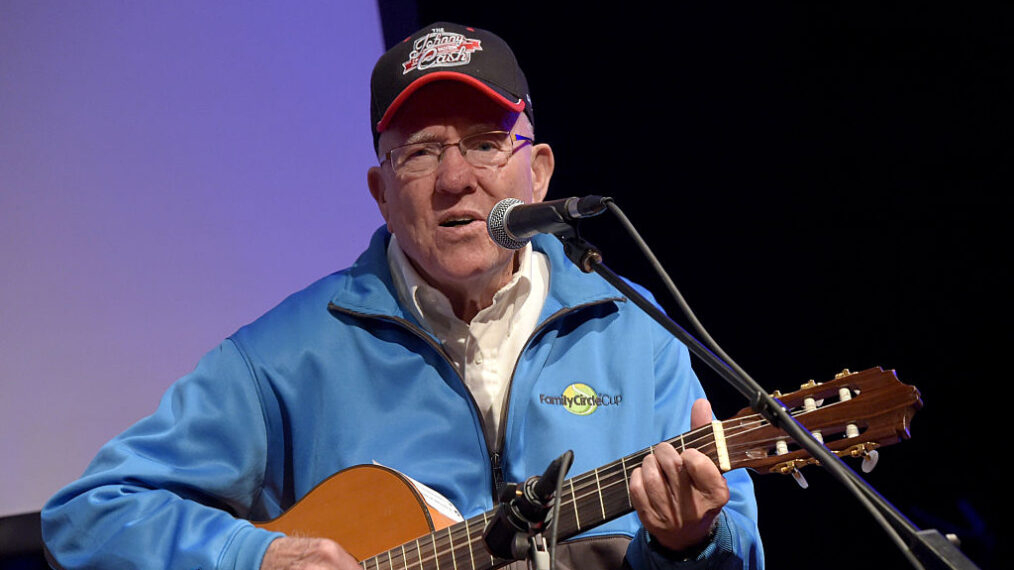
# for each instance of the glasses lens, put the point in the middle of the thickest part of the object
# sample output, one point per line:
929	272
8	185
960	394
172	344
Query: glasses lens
416	158
487	149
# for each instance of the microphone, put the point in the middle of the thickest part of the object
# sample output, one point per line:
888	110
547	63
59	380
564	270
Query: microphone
512	223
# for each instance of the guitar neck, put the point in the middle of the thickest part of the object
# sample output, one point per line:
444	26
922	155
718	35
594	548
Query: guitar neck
586	501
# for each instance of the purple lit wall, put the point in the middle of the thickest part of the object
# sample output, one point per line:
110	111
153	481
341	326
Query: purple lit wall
168	172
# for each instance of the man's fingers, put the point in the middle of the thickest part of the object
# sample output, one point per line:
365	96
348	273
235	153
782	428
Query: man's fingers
307	554
705	477
655	487
700	414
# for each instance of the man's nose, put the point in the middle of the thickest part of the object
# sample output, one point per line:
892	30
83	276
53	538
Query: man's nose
454	173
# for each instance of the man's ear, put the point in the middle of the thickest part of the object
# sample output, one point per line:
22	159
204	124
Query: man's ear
378	188
543	163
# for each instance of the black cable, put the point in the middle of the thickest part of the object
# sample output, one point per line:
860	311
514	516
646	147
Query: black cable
568	458
872	501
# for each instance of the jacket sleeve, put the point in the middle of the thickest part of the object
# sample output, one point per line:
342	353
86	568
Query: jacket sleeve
736	542
167	493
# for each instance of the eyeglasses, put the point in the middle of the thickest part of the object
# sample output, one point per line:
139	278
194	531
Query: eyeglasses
483	150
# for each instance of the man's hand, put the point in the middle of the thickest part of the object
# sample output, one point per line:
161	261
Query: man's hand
307	554
679	496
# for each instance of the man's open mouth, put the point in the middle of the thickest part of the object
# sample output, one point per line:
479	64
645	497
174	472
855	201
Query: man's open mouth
455	222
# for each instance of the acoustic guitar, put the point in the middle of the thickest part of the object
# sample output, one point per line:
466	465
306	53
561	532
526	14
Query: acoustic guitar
394	527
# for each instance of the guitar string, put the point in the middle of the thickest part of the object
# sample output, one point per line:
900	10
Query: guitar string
444	544
461	530
701	439
613	479
703	443
579	489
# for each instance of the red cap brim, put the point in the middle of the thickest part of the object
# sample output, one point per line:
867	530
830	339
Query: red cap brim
516	106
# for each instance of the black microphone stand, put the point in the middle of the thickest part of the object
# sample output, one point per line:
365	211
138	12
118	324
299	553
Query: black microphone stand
923	548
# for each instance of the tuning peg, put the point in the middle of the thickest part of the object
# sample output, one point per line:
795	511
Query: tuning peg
810	404
798	476
870	459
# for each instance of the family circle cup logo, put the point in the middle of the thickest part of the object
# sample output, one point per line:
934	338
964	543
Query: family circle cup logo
580	399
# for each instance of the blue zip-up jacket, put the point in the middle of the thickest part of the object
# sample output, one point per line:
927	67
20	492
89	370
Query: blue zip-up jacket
340	374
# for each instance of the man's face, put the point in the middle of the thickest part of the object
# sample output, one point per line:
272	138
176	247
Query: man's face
440	218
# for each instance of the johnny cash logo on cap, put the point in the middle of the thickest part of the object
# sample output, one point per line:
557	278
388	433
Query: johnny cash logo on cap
440	49
444	51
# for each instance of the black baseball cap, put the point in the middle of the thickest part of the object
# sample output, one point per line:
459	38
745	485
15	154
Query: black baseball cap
443	51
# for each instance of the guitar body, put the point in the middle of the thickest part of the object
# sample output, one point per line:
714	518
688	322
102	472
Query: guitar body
367	509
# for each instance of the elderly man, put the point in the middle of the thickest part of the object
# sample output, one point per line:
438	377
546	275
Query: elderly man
437	354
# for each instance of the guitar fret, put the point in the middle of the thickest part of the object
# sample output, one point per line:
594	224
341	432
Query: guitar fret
573	499
626	482
485	523
450	538
597	484
468	541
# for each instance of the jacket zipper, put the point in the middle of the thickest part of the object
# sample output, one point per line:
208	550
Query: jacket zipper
496	455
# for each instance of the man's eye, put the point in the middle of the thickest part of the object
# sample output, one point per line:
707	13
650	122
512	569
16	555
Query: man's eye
484	145
419	152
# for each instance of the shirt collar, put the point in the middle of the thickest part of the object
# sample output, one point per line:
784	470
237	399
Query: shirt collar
433	309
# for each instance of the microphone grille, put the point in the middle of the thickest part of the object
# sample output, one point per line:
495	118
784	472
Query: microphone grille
496	224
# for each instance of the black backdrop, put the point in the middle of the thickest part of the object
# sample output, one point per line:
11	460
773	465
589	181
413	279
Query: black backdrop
829	187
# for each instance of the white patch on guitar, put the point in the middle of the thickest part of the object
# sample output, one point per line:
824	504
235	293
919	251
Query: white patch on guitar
432	498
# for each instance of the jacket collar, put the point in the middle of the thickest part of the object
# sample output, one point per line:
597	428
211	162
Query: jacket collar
366	287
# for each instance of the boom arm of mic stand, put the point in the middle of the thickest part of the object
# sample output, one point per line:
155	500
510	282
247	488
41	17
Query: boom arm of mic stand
926	546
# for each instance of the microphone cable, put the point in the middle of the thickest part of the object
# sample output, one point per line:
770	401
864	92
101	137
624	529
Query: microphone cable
567	459
870	499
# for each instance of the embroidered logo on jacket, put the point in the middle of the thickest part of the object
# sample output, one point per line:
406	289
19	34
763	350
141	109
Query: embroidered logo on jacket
440	49
581	399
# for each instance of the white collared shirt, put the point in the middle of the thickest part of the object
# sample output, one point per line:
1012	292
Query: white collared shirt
485	350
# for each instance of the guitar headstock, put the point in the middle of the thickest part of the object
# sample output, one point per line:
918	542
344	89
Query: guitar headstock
853	414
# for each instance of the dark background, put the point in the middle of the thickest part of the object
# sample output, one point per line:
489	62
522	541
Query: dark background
829	187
